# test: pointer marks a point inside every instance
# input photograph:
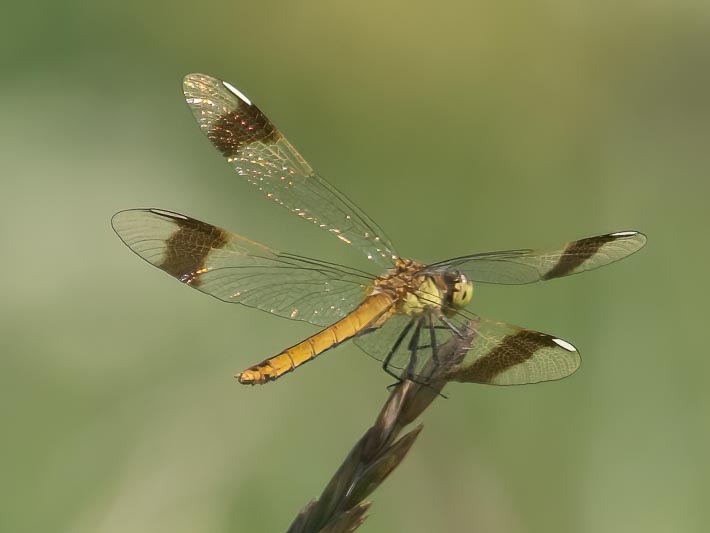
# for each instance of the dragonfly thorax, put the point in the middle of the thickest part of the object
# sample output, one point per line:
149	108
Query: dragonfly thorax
415	290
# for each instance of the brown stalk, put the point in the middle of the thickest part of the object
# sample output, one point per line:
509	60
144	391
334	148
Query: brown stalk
341	507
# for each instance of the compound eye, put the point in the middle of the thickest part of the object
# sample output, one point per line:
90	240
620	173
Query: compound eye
462	292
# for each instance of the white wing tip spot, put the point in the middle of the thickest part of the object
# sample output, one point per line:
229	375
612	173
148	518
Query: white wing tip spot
236	92
564	344
624	233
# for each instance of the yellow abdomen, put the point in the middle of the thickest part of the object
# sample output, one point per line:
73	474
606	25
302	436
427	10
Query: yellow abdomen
367	312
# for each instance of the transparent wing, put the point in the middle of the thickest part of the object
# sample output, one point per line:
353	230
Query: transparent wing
260	154
502	354
496	353
234	269
527	266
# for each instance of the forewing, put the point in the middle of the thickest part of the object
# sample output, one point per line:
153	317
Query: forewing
527	266
237	270
266	160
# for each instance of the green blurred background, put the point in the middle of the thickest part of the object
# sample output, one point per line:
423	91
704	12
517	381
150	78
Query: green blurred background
459	127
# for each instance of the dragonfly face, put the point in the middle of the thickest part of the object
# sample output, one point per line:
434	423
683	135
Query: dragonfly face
401	317
459	289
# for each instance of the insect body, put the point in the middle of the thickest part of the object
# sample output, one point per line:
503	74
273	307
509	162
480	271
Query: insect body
401	316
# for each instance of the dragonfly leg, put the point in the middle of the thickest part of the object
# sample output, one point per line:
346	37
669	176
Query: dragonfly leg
450	325
393	350
432	341
386	368
413	349
393	385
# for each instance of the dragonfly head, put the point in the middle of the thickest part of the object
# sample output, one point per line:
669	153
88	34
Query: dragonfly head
460	289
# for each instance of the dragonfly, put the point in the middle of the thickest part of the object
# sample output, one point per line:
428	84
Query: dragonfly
401	316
